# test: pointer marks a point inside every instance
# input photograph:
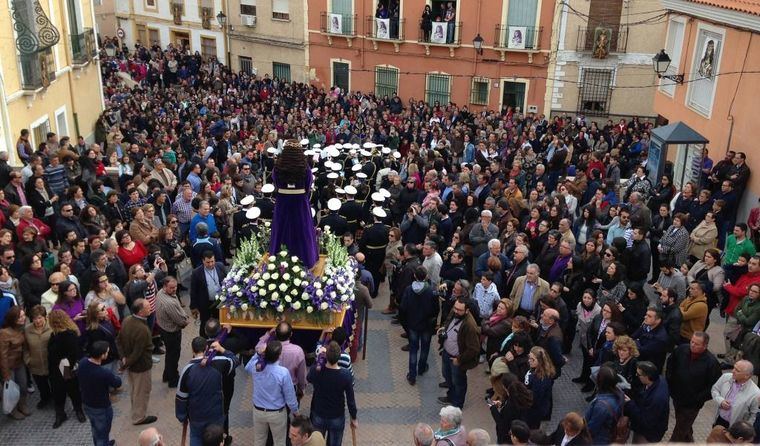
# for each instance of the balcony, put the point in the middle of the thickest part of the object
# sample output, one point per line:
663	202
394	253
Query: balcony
37	70
522	39
34	30
178	9
207	16
338	25
388	30
83	47
602	40
441	34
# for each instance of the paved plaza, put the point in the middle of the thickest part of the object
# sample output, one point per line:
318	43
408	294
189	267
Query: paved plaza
388	406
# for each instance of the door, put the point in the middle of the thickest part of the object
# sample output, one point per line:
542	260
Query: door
340	75
182	39
513	95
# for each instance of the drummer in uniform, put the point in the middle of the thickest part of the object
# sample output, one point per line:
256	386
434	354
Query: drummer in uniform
337	223
252	227
372	244
239	219
351	210
266	203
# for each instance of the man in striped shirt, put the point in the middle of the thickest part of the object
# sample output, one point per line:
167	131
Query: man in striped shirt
55	175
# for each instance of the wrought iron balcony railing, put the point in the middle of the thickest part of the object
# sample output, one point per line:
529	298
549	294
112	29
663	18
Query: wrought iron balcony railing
83	47
517	37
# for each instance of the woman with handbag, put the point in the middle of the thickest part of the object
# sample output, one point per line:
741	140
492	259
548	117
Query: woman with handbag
64	354
12	350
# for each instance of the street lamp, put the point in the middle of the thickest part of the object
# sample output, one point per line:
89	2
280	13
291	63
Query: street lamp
477	42
110	49
661	62
222	19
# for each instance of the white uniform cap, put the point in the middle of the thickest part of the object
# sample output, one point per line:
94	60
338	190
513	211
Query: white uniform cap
304	142
267	188
377	196
313	212
332	176
333	204
317	146
272	150
379	212
333	152
366	153
384	192
340	190
386	150
350	190
253	213
308	152
356	146
397	155
338	146
361	176
336	167
356	167
314	169
248	199
352	152
369	145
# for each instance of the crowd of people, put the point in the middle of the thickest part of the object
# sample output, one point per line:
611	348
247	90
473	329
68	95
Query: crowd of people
516	241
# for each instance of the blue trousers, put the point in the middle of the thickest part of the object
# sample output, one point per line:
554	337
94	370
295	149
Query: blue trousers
331	428
419	341
100	422
456	378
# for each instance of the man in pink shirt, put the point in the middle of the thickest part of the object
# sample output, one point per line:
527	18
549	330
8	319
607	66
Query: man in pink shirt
292	357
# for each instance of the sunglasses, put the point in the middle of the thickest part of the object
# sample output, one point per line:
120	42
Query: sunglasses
608	254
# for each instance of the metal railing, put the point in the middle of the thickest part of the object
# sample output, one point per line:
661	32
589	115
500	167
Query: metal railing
83	46
338	24
385	29
37	70
178	9
440	33
590	38
517	37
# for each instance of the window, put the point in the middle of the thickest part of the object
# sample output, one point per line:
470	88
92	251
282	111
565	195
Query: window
281	71
142	34
513	95
61	126
438	89
281	9
37	69
479	91
248	7
673	47
246	64
155	37
386	81
341	75
208	48
40	131
346	9
522	14
595	92
150	3
705	67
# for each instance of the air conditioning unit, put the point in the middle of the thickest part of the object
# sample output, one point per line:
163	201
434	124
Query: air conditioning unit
532	109
249	20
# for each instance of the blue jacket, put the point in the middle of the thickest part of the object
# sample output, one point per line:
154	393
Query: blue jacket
602	415
649	412
653	345
209	220
419	308
7	301
200	397
542	392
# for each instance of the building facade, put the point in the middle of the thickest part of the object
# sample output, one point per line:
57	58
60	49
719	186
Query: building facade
105	17
269	37
713	43
191	24
389	46
604	51
49	61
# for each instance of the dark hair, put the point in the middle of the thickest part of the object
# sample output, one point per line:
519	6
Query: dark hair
136	306
11	317
606	380
617	327
520	430
333	352
198	344
98	349
648	369
742	429
519	394
303	424
213	435
339	335
522	339
420	273
208	254
273	351
212	327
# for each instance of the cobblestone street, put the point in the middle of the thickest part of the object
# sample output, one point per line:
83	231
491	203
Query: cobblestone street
388	406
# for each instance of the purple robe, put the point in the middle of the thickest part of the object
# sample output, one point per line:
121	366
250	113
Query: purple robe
292	224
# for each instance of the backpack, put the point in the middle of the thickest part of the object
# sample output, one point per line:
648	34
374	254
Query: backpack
621	428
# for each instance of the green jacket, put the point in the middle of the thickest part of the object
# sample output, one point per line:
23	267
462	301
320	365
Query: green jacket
733	250
748	313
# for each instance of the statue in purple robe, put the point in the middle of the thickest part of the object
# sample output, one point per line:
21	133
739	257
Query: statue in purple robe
292	224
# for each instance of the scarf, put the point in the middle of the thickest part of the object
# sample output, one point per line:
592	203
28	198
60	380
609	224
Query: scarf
495	319
608	282
8	286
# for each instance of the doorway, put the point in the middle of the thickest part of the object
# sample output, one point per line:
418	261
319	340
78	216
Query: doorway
341	75
181	39
513	95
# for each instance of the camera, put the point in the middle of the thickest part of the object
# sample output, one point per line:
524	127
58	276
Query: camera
442	337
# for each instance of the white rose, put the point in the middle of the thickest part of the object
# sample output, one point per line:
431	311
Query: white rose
267	224
263	292
234	289
239	294
288	299
343	298
284	264
332	294
303	274
296	269
296	305
283	287
271	287
260	283
263	304
323	305
244	307
297	282
294	292
320	293
222	299
270	267
305	296
256	276
309	309
275	276
275	295
280	308
294	259
317	285
266	276
286	276
283	253
330	281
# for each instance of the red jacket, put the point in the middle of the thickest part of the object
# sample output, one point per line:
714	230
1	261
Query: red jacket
737	291
43	230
